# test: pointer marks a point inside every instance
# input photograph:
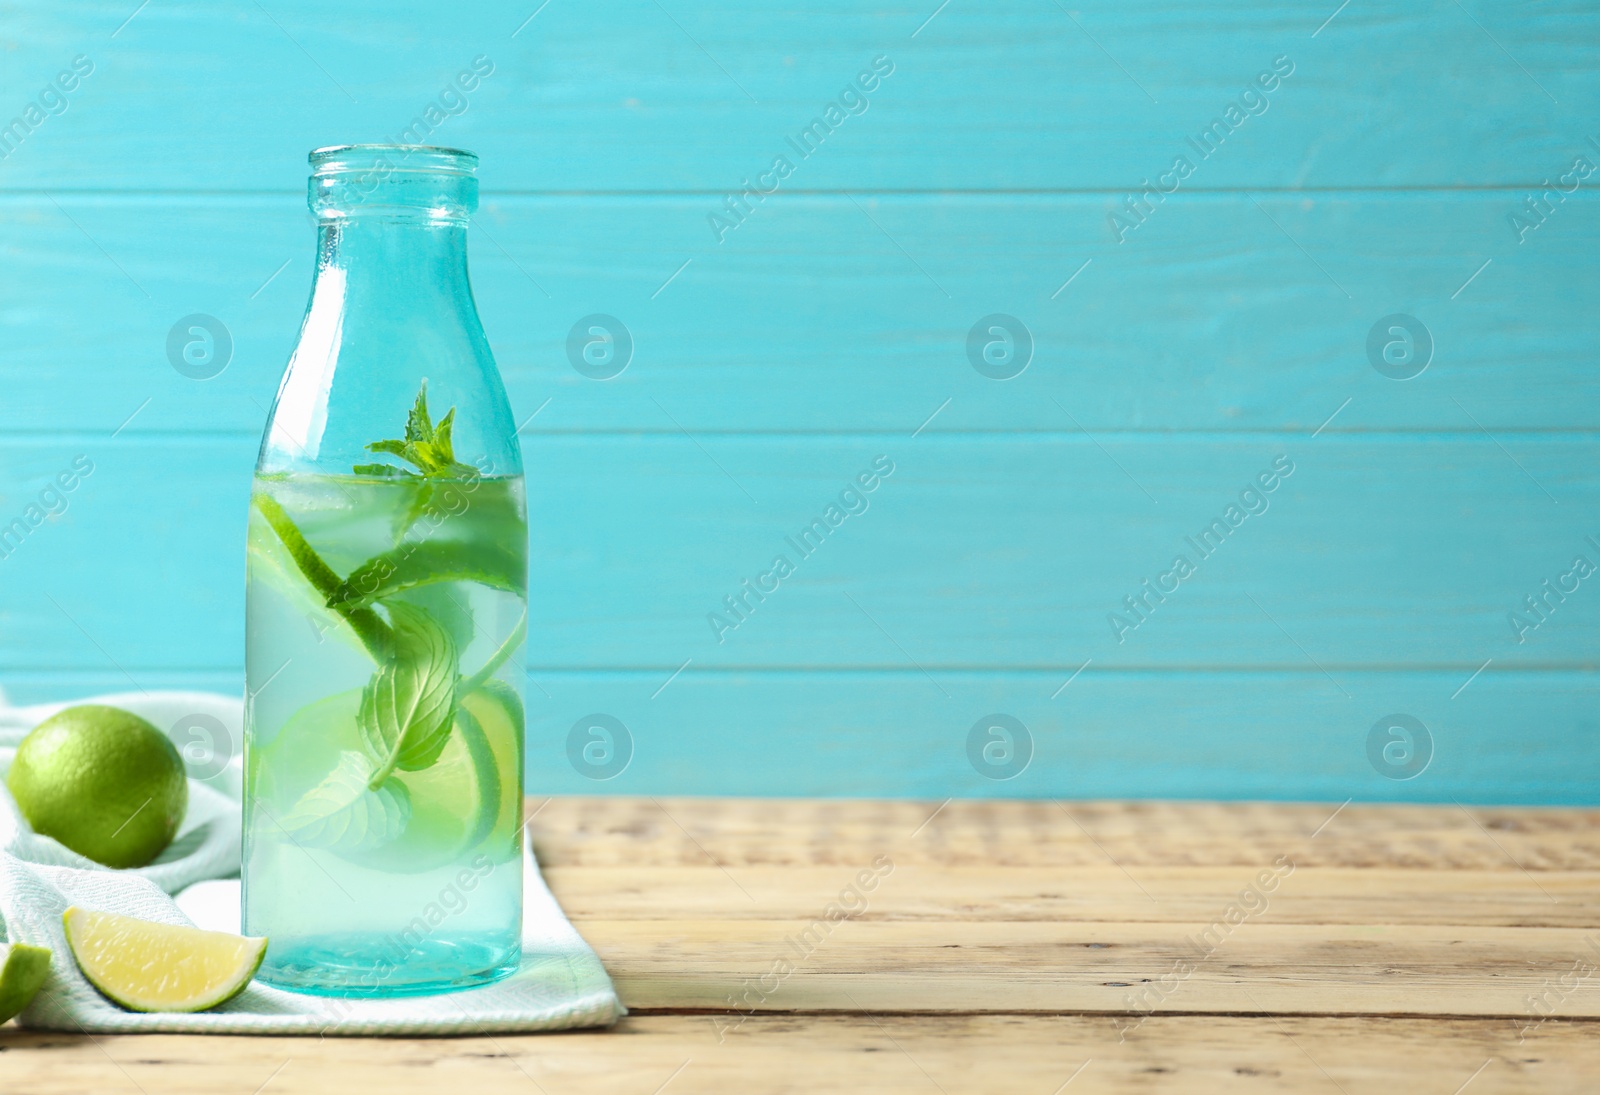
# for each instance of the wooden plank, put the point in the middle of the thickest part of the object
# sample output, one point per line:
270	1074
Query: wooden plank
1056	837
811	319
1136	734
1001	569
50	686
935	935
1407	969
779	1054
1010	95
621	579
893	925
1095	893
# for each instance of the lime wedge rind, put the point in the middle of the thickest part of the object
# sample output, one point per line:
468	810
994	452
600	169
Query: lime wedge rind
483	761
23	970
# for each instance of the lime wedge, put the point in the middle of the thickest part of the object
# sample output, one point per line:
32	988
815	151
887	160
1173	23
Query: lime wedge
144	966
23	969
455	802
306	750
343	814
498	711
471	794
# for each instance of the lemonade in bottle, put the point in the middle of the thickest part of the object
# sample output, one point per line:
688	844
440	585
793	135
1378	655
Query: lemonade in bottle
386	607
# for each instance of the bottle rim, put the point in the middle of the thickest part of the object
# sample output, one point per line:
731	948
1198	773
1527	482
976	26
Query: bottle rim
431	159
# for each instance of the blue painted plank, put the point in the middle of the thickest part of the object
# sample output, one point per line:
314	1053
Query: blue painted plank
979	551
1138	734
1216	314
628	94
983	551
61	685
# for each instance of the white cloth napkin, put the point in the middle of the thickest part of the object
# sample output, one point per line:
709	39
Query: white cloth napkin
561	983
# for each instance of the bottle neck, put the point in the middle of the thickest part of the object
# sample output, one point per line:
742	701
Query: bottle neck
390	305
392	262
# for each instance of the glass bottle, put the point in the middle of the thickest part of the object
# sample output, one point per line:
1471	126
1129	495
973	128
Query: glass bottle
386	607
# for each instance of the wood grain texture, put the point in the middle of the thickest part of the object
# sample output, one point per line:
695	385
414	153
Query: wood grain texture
1024	967
1056	836
1204	939
1092	893
990	905
800	1054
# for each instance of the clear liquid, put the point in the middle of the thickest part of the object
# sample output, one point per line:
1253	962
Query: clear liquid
415	886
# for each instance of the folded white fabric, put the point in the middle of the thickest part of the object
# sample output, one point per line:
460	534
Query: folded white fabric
561	983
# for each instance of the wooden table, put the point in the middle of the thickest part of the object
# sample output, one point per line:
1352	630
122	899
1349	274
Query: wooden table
1034	947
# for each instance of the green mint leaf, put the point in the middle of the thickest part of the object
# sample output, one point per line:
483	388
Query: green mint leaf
408	706
405	450
443	446
388	471
418	426
343	814
366	623
429	448
499	565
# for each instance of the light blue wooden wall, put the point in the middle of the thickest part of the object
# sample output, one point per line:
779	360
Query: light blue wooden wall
1227	329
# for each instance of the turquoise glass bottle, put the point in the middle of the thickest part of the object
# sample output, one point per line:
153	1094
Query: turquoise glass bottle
387	607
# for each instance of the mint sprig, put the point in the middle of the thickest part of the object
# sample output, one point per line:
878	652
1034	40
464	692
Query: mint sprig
427	447
409	705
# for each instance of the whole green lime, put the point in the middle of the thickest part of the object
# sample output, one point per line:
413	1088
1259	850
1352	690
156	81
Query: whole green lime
103	782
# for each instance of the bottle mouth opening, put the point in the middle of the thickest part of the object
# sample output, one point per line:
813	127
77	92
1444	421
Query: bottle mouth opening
388	158
396	180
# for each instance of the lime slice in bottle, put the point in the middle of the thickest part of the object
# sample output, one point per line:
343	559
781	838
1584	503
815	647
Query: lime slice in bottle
467	795
462	798
23	969
498	711
305	752
144	966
